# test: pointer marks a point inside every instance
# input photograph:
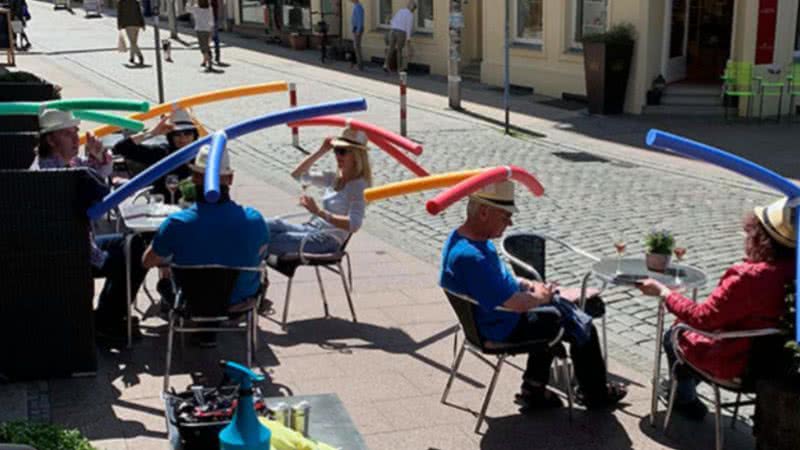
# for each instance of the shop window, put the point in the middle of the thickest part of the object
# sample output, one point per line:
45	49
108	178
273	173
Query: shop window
528	23
384	11
585	17
425	16
797	39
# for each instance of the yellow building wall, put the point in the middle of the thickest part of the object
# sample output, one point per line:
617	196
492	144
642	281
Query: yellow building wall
554	68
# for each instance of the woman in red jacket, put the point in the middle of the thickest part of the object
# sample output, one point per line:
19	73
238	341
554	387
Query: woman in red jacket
749	296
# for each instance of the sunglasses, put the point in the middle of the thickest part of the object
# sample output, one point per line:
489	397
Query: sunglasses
341	151
183	133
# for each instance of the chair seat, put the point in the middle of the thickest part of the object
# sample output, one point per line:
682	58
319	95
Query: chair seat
516	348
288	263
740	93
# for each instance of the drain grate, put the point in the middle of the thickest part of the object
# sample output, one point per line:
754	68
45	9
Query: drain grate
580	157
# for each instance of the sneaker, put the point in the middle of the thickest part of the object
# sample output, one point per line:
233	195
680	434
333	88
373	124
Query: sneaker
694	410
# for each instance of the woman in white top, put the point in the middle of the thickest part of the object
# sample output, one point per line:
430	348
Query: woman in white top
203	25
343	204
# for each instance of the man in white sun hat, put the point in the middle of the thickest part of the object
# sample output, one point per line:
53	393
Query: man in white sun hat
472	267
223	233
58	149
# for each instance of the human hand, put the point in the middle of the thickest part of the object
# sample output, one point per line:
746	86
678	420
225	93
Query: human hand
163	127
308	203
544	292
93	147
651	287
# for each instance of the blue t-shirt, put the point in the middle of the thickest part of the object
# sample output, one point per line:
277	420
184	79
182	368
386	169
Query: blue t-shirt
357	18
473	268
222	233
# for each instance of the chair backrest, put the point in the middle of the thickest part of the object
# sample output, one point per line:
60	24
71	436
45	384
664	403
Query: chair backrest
205	291
795	72
465	311
529	249
46	278
739	75
765	359
17	149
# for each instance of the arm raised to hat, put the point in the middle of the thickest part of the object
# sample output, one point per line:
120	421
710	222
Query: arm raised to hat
163	127
309	160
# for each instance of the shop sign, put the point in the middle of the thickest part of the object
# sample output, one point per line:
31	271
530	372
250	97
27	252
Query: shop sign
765	37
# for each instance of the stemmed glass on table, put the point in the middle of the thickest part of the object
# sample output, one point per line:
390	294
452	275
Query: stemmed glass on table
619	246
680	252
172	186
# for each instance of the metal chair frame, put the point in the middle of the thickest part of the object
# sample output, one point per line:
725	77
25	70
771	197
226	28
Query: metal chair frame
251	318
540	278
731	385
501	353
331	262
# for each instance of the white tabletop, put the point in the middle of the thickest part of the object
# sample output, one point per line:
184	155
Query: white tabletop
146	217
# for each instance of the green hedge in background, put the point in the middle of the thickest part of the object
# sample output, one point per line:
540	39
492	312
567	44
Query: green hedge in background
43	436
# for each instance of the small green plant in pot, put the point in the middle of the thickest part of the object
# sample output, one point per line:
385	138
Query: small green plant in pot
659	244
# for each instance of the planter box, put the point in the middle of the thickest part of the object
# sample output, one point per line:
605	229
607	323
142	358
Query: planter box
607	67
298	41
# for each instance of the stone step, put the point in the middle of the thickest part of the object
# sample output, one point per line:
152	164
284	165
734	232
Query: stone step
686	110
693	90
687	100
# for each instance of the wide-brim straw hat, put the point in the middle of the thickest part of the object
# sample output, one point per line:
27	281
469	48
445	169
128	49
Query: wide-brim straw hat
201	161
181	120
498	195
53	120
778	220
351	138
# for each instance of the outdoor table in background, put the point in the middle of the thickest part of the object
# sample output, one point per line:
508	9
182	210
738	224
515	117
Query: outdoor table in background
329	422
633	269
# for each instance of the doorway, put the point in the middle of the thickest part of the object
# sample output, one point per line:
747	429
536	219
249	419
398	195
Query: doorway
698	39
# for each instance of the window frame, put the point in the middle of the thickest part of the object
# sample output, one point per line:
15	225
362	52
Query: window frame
378	23
420	29
578	24
520	40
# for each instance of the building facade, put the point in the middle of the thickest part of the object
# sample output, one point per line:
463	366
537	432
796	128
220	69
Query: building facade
685	41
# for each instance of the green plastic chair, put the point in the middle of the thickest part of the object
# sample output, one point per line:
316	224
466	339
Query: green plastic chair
739	82
793	81
770	89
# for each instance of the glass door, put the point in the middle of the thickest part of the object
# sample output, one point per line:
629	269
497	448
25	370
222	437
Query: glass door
676	38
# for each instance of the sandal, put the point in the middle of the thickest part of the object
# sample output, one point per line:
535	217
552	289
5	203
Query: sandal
614	394
536	400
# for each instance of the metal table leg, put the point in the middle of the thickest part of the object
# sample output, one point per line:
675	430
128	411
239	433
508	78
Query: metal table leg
657	363
128	240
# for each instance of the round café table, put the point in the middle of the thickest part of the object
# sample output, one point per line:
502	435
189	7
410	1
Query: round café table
626	272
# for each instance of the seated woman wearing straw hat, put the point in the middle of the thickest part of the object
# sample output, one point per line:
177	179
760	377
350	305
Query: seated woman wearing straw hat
343	205
749	296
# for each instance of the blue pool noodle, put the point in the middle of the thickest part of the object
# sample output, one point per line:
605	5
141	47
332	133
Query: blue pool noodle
211	179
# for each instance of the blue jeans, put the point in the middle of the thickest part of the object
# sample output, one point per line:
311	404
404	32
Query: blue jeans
687	384
285	237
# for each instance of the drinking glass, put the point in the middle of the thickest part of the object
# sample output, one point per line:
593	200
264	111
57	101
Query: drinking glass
172	186
619	246
679	254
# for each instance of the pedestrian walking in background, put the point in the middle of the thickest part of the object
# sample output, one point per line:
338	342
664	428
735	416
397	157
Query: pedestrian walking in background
216	10
357	23
402	25
19	19
203	25
130	19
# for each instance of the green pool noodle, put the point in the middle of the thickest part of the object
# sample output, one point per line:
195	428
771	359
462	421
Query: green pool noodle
19	108
99	103
110	119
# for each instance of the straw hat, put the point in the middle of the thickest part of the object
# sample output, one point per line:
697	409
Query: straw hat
351	138
499	195
778	220
181	121
53	120
201	161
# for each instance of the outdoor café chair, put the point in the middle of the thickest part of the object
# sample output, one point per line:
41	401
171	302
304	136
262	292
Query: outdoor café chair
765	343
202	305
526	251
793	81
288	264
464	308
738	81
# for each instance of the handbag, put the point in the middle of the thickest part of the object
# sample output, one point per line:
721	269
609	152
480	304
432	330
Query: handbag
16	26
122	46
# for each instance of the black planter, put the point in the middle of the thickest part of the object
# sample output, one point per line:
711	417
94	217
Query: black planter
607	67
777	423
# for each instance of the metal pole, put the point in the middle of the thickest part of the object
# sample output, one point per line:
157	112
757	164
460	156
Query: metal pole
453	74
293	104
159	71
173	25
403	105
507	75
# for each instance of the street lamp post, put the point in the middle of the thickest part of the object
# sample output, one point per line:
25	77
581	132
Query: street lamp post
173	26
453	74
159	71
507	72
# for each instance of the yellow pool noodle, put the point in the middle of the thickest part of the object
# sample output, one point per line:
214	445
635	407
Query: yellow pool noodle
437	181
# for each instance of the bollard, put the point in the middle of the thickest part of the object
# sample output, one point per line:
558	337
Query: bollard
403	115
293	104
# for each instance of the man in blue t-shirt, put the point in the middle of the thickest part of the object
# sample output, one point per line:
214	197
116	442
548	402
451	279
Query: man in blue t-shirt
472	267
223	233
357	23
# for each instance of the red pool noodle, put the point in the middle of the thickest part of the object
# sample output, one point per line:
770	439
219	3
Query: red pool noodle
470	185
372	131
409	163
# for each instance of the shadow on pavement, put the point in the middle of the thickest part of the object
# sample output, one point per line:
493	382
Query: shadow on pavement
684	434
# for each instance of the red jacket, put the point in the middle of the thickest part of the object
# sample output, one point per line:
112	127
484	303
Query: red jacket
749	296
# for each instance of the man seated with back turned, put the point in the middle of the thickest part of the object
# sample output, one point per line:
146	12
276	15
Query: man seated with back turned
223	233
472	267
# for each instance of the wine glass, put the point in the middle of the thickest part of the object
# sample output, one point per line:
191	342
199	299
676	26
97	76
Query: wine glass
619	246
679	254
172	186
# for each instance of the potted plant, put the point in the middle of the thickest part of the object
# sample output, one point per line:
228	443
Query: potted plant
43	436
298	41
776	422
658	244
607	63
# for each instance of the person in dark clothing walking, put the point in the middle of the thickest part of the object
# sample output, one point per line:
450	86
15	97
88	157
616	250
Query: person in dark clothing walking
130	19
180	130
20	14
